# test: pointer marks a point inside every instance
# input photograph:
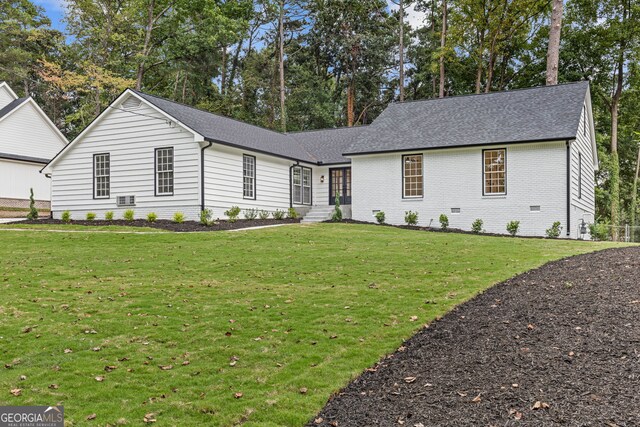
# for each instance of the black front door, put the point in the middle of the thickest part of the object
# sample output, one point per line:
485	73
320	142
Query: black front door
340	183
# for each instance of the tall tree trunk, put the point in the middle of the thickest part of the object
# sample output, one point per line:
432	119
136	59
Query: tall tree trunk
223	71
401	49
553	50
147	44
175	85
283	111
234	65
615	162
634	193
434	84
443	41
351	95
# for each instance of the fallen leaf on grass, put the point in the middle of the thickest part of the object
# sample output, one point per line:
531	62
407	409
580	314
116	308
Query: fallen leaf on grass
165	367
96	349
303	390
99	379
409	380
54	386
110	368
67	351
185	363
149	418
27	330
238	395
232	363
91	417
23	377
413	318
540	405
16	391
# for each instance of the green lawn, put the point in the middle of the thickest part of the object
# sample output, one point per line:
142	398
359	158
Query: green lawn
294	307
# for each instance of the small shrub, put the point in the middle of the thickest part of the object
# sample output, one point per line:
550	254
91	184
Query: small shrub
337	211
128	215
513	227
66	217
278	214
152	217
444	221
476	226
600	231
292	213
178	217
250	214
91	216
108	216
205	217
263	214
380	217
411	218
33	212
553	232
233	213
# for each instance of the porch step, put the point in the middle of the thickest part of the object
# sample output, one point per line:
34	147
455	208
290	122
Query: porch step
318	214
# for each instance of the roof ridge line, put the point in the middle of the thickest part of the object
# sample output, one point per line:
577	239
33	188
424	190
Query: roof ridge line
501	92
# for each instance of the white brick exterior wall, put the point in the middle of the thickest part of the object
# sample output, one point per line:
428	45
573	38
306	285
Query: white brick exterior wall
536	176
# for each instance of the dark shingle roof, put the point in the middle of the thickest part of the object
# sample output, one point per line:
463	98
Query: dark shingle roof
536	114
231	131
11	106
328	144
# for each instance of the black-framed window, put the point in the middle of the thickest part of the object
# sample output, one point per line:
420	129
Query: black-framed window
164	171
412	176
301	185
494	171
248	176
101	176
579	175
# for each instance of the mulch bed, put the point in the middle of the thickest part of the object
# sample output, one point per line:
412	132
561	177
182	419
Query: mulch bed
170	225
559	345
435	229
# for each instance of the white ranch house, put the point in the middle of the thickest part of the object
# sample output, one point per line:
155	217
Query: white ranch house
28	141
526	155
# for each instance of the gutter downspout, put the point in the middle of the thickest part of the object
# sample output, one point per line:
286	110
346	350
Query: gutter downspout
568	188
202	204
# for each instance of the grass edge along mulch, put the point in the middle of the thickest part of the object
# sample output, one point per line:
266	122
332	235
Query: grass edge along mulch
560	353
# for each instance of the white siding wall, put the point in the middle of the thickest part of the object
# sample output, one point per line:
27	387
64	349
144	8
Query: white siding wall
25	132
16	178
131	140
321	189
536	175
224	181
582	207
5	96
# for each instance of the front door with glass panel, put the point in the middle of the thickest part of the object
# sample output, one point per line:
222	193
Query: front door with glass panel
340	183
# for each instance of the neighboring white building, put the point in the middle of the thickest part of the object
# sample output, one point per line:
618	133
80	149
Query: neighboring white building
526	155
28	141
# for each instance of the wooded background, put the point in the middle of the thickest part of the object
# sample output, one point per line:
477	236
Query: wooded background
293	65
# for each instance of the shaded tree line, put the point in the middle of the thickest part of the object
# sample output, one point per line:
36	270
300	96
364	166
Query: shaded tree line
295	65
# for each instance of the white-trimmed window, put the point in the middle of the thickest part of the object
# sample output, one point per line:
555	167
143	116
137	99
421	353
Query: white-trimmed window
164	171
249	176
301	185
412	176
101	176
494	171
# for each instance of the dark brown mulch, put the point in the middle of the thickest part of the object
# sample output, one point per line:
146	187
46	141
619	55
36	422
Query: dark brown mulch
435	229
566	335
170	225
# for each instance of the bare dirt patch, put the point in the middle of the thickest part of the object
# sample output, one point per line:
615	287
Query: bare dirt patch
559	345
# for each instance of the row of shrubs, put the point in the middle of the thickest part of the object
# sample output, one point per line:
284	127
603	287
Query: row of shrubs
411	218
205	215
